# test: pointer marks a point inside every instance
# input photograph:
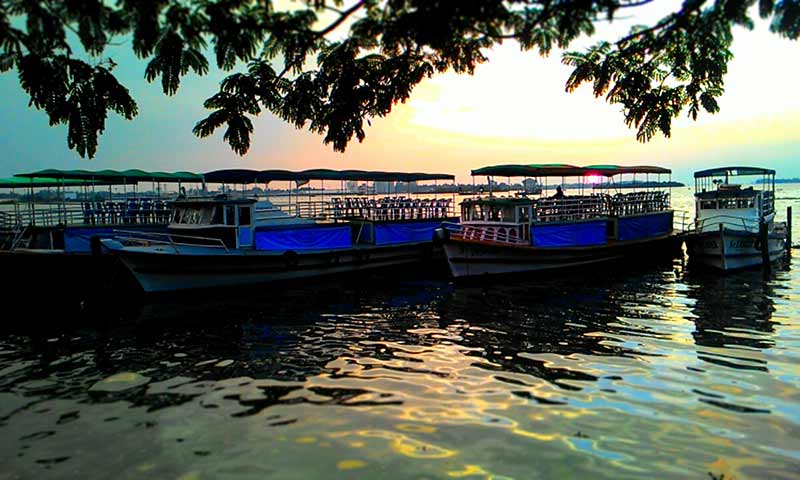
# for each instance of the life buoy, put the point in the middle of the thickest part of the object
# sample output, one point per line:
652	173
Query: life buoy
290	259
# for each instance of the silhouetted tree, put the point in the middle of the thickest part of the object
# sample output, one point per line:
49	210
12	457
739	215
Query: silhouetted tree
331	65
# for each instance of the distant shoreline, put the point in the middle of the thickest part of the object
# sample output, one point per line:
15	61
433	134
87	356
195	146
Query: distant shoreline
781	180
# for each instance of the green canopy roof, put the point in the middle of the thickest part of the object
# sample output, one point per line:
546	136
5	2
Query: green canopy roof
564	170
733	171
39	182
533	170
255	176
116	176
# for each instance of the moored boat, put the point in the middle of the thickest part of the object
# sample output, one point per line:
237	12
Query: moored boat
51	220
734	223
230	240
500	235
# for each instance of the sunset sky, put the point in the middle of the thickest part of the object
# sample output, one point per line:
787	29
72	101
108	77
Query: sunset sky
513	110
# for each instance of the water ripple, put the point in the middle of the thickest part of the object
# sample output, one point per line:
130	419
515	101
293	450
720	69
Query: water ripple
661	372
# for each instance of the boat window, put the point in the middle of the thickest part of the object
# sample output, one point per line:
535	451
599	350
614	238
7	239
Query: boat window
475	212
727	203
244	215
746	203
230	215
192	216
216	218
523	214
708	204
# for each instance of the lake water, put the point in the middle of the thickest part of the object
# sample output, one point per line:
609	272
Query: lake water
658	371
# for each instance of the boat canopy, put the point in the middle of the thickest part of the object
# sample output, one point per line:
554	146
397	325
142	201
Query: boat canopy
118	177
733	171
39	182
564	170
264	176
533	170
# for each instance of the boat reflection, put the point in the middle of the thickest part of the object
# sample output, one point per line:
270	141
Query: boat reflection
733	318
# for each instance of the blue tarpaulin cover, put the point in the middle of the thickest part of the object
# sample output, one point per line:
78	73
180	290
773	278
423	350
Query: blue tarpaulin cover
577	234
393	233
314	237
645	226
78	239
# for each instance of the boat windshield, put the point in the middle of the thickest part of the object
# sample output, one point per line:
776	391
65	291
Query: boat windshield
195	215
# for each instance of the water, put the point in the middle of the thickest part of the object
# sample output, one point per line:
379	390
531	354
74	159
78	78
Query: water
658	371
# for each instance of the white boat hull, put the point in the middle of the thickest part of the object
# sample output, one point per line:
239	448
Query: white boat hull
732	250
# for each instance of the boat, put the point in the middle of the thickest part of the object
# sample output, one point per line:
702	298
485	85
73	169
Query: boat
234	240
66	223
52	228
502	235
735	223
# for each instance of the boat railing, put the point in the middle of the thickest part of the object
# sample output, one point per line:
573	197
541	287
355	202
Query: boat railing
633	203
89	213
767	202
497	232
571	208
390	208
732	222
8	220
682	219
171	239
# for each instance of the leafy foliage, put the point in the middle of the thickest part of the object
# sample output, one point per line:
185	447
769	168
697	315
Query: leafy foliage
331	65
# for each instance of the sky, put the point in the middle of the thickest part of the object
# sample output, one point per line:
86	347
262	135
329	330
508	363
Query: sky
512	110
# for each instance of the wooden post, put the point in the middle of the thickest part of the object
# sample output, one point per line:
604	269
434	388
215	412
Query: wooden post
722	246
763	236
789	231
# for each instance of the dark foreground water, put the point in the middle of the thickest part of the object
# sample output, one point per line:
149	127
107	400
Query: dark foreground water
658	372
651	372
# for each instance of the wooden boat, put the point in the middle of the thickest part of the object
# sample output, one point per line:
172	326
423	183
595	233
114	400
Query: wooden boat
65	224
229	240
735	224
500	235
52	229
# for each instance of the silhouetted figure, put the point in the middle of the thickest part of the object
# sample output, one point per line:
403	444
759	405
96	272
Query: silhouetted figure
559	193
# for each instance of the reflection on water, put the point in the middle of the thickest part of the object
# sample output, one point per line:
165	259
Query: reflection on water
658	372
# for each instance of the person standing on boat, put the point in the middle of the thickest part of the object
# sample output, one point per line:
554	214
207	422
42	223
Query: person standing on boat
559	193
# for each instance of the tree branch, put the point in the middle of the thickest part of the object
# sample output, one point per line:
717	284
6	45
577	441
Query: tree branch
342	17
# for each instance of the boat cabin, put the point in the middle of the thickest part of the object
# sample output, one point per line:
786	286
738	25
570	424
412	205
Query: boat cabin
214	221
504	219
718	201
